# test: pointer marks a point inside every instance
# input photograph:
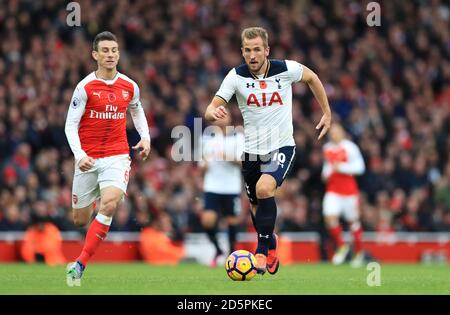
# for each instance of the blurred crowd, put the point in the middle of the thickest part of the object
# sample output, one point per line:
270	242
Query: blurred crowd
388	85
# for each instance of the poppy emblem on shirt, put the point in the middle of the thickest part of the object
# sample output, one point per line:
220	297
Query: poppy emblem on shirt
263	84
74	199
125	94
111	97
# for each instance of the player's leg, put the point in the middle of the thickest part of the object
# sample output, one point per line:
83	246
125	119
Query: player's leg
273	238
331	210
113	176
231	210
82	216
209	220
265	217
351	214
109	200
274	170
232	223
251	171
84	193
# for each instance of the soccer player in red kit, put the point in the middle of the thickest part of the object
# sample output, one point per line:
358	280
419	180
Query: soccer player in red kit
343	161
96	131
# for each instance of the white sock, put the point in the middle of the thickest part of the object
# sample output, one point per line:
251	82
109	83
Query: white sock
103	219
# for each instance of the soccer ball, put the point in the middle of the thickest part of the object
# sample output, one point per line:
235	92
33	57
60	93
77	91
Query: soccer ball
240	265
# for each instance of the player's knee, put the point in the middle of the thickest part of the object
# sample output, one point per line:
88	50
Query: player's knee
209	219
331	221
264	190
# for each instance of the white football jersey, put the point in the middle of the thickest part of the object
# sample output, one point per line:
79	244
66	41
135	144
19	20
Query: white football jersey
349	163
265	102
219	151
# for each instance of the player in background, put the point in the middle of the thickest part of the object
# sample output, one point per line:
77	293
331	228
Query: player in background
96	131
222	184
263	89
343	161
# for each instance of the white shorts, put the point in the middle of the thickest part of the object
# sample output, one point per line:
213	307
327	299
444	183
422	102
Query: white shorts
108	171
337	205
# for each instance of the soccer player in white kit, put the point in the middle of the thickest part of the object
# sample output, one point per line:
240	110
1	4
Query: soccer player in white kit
96	132
263	90
342	162
222	184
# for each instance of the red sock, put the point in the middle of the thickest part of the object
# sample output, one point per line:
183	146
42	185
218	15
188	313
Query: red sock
336	234
95	235
357	236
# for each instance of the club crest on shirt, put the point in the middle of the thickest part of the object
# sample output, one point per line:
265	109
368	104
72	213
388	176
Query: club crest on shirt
125	94
278	81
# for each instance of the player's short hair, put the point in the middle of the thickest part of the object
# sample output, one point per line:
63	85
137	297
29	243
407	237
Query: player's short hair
103	36
254	32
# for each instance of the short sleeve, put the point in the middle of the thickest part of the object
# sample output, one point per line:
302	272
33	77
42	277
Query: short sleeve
228	86
295	70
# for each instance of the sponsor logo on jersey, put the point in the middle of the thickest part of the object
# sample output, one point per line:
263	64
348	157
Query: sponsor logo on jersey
125	94
250	85
98	94
110	113
275	98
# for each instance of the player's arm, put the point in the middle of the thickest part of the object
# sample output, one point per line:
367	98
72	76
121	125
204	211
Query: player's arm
355	164
216	109
141	125
76	111
316	86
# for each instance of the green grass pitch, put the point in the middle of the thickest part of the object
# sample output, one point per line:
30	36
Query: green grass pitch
194	279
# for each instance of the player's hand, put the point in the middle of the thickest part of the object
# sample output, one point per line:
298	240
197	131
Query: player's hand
325	124
219	113
86	163
143	147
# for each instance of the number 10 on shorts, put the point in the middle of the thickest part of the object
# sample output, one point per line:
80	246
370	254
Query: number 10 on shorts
280	157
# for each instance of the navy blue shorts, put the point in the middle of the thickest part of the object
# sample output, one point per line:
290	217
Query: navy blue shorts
277	163
225	204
